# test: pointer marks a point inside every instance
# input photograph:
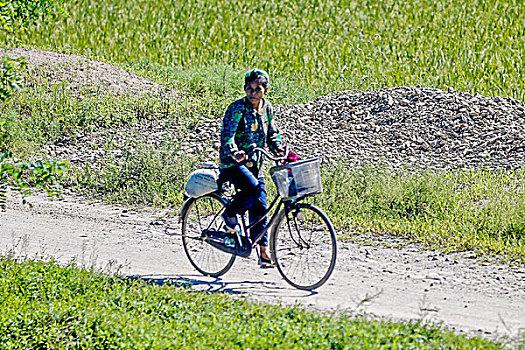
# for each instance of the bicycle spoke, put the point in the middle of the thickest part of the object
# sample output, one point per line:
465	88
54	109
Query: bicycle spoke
304	247
203	214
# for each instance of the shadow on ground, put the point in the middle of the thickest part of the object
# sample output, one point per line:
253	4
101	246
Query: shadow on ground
218	285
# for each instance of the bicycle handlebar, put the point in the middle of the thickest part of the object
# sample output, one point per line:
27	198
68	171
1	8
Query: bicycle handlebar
269	156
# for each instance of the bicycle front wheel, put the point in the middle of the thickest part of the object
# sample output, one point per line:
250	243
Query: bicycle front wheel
304	246
198	215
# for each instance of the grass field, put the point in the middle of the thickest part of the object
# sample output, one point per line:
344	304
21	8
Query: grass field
48	306
320	46
479	210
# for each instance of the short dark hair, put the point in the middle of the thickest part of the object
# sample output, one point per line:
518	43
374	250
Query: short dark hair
256	74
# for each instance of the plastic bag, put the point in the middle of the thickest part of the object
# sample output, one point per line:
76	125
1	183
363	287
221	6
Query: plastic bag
201	182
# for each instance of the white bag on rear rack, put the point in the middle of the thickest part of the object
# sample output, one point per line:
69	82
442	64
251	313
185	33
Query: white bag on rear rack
201	182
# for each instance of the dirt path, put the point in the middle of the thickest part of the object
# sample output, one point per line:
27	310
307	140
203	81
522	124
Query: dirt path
463	293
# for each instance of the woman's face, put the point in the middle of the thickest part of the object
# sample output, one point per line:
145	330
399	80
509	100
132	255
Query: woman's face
255	91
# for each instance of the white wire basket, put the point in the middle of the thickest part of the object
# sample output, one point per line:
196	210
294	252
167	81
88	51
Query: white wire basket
297	179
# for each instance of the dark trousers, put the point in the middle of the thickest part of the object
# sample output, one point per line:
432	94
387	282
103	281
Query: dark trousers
250	195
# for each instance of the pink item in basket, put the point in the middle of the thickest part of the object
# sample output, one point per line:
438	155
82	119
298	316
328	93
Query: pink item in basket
291	158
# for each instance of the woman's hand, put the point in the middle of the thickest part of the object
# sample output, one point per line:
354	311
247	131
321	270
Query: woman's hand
239	156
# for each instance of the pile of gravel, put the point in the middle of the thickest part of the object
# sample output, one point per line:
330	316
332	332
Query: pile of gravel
396	127
80	73
409	126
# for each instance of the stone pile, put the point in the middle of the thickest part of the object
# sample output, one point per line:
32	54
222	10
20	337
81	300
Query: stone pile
394	127
82	74
409	126
398	127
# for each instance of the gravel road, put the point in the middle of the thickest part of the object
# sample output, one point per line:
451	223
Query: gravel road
376	279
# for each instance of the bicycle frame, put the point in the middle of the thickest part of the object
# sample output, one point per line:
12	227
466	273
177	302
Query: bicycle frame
246	229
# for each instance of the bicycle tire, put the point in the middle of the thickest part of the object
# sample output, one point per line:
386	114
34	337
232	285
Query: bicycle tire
303	246
197	215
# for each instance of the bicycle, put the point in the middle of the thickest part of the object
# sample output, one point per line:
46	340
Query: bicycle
302	238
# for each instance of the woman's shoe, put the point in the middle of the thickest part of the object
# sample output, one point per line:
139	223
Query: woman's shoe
265	263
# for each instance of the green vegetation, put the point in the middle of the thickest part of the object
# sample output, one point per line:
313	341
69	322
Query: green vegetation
480	210
154	175
475	46
10	79
48	306
21	175
477	210
20	14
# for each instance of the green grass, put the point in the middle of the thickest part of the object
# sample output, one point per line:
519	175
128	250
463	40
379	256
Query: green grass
48	306
475	46
150	175
51	112
481	210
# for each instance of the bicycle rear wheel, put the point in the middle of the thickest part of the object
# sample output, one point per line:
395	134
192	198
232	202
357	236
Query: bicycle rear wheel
304	246
200	214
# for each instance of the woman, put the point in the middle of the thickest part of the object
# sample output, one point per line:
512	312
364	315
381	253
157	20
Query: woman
248	121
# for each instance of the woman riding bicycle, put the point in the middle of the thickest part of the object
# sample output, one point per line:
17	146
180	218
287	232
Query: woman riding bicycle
301	236
247	122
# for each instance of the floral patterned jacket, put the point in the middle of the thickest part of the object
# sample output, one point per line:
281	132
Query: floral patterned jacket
243	126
